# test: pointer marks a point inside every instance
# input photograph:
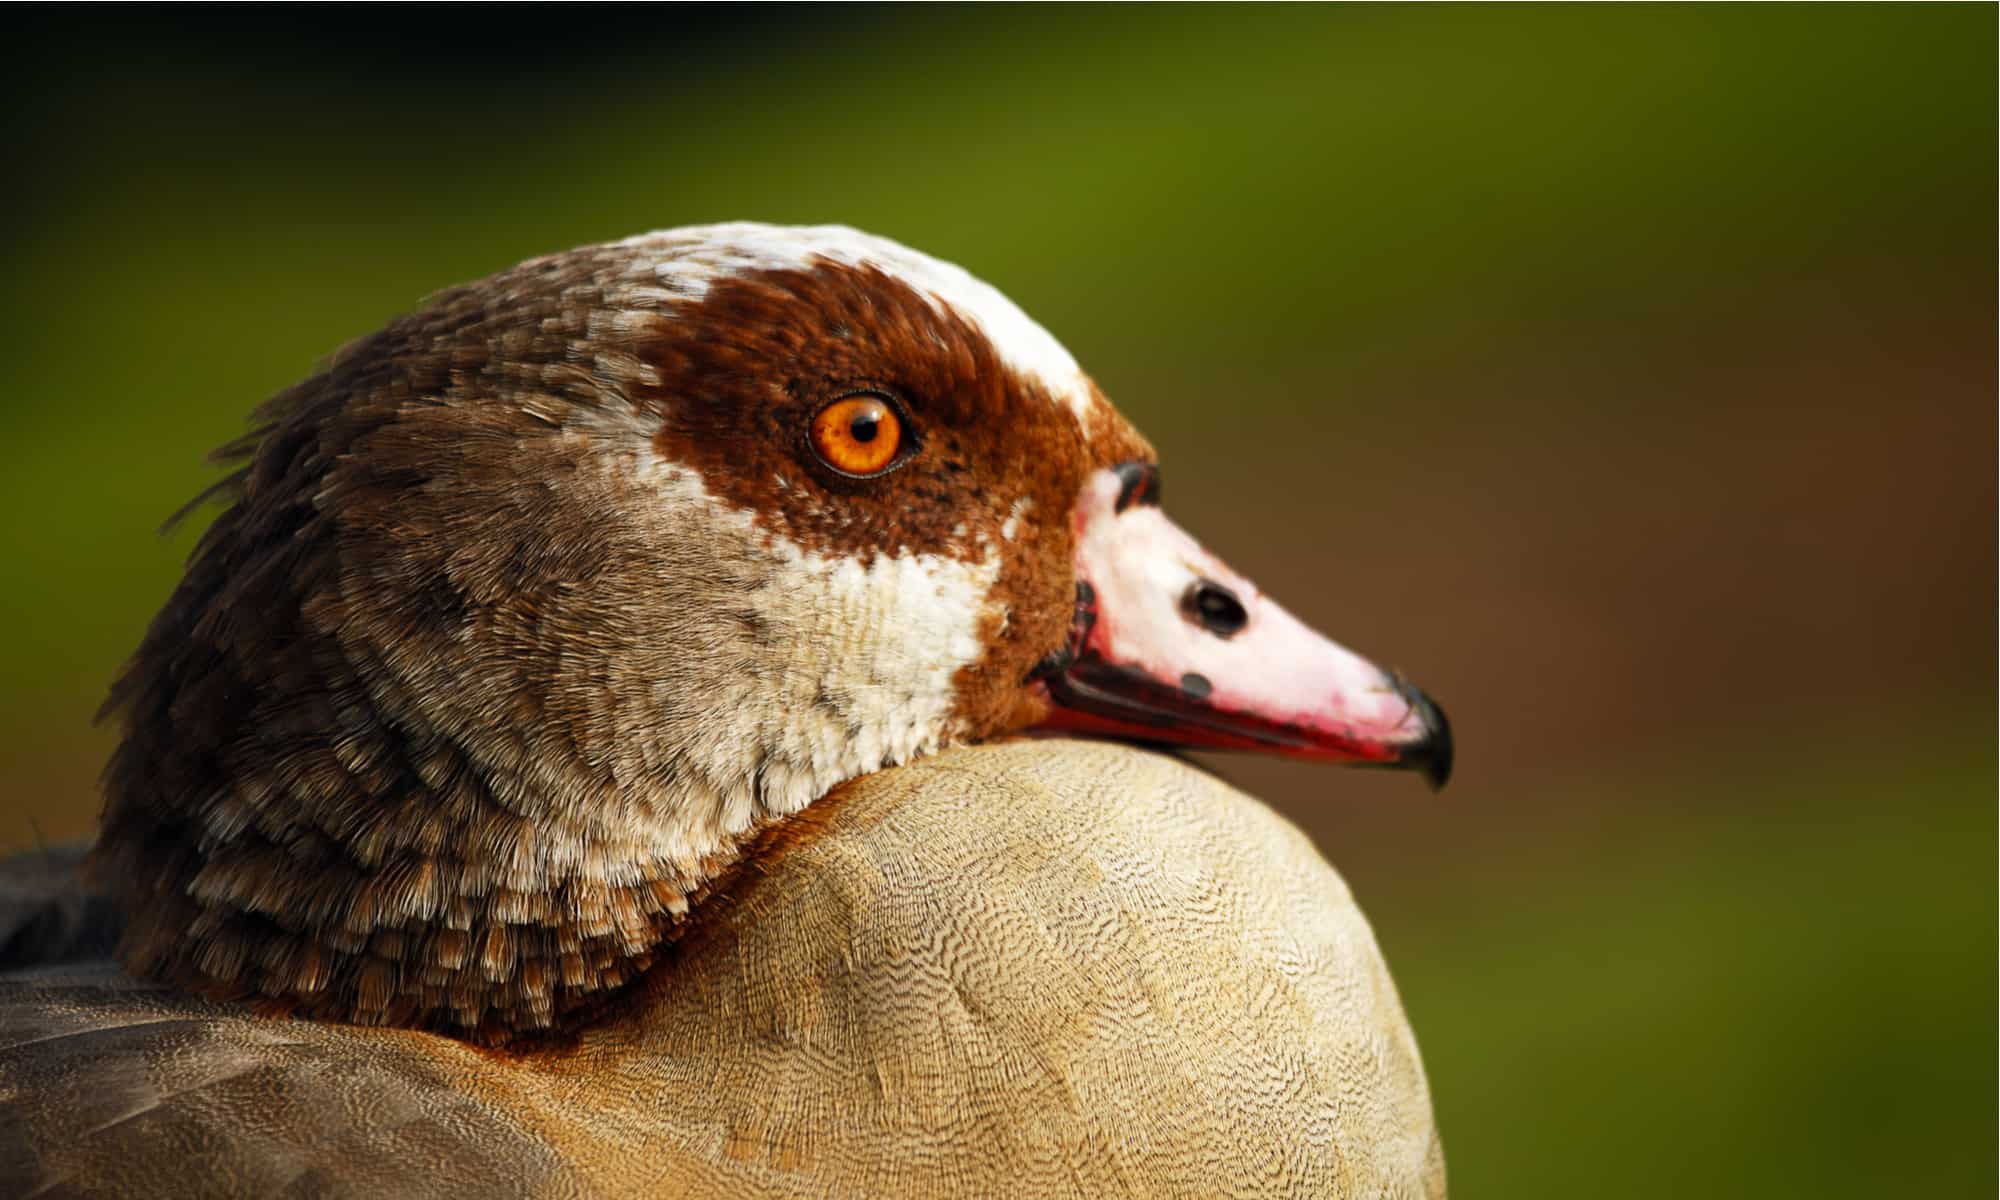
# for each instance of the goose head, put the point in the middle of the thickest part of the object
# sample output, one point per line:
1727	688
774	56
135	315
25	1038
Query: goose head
528	612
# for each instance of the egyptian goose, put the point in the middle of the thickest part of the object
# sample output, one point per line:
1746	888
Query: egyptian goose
580	760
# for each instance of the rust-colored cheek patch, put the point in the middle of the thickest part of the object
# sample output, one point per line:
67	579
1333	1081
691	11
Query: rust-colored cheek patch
992	462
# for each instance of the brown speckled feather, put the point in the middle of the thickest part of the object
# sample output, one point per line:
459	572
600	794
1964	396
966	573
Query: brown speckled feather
1034	968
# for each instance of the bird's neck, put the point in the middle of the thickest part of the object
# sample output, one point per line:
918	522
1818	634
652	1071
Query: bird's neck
323	849
410	784
458	770
454	939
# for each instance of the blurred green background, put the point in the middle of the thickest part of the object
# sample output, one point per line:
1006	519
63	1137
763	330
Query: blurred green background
1624	374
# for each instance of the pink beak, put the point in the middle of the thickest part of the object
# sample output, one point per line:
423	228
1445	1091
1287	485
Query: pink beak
1170	645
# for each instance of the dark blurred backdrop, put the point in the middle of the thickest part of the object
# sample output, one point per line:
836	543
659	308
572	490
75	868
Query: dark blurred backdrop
1625	375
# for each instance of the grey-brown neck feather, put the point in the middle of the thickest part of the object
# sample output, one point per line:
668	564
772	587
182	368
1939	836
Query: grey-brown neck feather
418	740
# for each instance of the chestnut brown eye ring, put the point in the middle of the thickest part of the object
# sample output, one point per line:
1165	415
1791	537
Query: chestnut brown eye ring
858	435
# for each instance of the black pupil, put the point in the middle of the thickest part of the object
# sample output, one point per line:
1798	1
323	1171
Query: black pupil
864	427
1215	608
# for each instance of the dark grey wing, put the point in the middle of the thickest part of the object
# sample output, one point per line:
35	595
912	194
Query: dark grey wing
110	1088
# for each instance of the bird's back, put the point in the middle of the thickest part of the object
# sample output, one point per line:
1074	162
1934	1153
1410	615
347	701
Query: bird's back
1035	968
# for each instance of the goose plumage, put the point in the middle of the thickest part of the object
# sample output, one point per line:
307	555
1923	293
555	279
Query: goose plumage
603	747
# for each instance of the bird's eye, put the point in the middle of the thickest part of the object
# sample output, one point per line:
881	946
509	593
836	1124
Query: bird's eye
858	435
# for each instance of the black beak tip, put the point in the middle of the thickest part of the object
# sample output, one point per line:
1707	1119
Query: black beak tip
1432	756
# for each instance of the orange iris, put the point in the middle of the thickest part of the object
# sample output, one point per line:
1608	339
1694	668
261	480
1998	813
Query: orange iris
857	435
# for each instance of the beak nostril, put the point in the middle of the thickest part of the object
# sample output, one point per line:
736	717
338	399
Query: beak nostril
1215	608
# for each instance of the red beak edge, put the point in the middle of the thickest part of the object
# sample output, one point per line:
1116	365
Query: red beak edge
1170	645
